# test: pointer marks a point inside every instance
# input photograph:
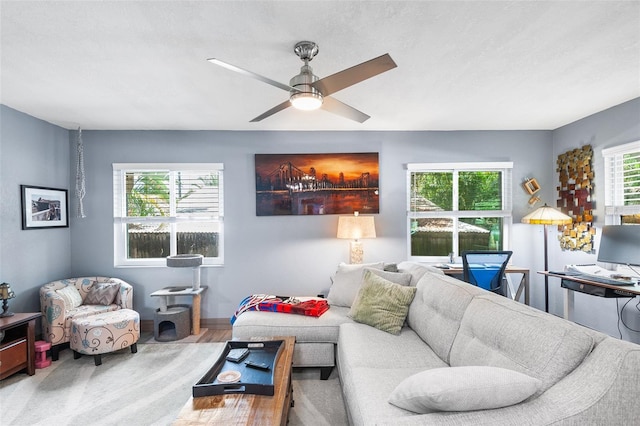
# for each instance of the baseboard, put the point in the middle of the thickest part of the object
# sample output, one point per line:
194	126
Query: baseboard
210	323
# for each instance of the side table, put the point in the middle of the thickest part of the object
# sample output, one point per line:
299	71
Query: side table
167	294
17	344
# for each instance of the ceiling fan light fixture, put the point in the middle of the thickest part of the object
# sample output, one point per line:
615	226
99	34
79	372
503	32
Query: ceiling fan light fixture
306	101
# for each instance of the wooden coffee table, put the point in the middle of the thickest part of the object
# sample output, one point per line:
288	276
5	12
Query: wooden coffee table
245	409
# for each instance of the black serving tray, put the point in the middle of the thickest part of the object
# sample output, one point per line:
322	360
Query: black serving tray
252	381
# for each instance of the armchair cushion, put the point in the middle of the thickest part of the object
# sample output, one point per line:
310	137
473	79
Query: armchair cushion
102	294
71	296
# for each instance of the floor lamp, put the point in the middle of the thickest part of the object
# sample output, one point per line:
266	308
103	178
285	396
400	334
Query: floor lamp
546	215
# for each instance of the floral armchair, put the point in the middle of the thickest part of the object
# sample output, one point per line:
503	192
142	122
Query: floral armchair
63	300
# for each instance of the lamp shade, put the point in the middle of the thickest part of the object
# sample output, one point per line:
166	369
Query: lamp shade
356	227
547	215
6	292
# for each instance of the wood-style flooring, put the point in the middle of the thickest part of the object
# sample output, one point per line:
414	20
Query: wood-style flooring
209	336
215	335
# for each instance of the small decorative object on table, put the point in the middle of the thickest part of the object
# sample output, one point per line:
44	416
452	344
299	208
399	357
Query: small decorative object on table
5	294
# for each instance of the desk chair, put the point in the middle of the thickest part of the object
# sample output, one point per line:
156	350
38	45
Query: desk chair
485	269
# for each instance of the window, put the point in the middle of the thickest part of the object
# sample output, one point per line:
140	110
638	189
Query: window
457	207
622	183
161	210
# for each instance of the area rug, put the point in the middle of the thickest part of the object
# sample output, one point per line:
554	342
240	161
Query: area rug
146	388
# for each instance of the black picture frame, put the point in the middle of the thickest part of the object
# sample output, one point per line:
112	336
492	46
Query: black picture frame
44	207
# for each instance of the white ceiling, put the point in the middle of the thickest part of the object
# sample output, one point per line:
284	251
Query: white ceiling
461	65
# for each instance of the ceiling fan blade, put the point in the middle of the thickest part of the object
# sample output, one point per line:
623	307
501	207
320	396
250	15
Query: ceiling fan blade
251	74
355	74
277	108
334	106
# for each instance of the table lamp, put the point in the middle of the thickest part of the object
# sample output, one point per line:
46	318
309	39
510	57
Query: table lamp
355	228
546	215
5	294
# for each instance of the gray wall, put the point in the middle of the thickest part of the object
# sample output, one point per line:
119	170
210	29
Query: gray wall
614	126
282	255
32	152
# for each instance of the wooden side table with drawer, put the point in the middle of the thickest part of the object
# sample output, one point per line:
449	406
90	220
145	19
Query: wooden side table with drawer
17	345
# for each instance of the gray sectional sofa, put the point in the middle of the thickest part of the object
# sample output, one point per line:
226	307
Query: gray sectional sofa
455	336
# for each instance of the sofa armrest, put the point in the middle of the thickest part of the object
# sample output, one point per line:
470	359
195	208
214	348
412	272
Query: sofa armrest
603	389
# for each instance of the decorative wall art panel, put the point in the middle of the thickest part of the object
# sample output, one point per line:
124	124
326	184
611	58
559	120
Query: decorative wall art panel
315	184
575	191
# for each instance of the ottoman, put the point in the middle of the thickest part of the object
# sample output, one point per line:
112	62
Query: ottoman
104	333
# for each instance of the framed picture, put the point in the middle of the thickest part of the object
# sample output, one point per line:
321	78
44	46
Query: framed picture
44	207
317	184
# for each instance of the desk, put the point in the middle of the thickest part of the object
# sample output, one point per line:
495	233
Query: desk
568	293
523	286
167	294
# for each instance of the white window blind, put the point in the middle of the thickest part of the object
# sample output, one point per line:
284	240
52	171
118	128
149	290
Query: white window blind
622	179
167	209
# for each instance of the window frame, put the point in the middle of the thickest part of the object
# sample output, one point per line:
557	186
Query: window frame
614	176
506	213
120	218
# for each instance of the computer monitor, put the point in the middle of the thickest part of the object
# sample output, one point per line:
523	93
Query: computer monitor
620	244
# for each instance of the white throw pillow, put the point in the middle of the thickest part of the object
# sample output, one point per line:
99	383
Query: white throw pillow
463	389
71	296
348	280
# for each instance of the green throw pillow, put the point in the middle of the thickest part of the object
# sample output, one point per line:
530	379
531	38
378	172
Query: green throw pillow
381	303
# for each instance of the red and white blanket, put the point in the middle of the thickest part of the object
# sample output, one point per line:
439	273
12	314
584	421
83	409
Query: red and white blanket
289	305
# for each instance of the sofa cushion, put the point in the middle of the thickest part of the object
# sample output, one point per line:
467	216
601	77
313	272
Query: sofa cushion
306	329
437	309
71	296
362	346
102	294
463	389
496	331
381	303
348	279
417	270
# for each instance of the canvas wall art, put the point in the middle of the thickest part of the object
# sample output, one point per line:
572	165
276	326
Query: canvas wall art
316	184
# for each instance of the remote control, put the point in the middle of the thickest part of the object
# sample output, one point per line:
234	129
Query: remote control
236	355
258	365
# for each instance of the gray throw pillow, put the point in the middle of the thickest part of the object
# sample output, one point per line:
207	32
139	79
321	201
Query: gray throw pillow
463	389
381	303
346	283
102	294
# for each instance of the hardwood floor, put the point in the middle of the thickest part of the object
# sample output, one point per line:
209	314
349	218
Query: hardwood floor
213	335
209	336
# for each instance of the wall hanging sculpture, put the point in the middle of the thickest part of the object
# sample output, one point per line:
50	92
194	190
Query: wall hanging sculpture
575	191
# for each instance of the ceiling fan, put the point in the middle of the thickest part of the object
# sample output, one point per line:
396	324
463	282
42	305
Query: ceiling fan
308	92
